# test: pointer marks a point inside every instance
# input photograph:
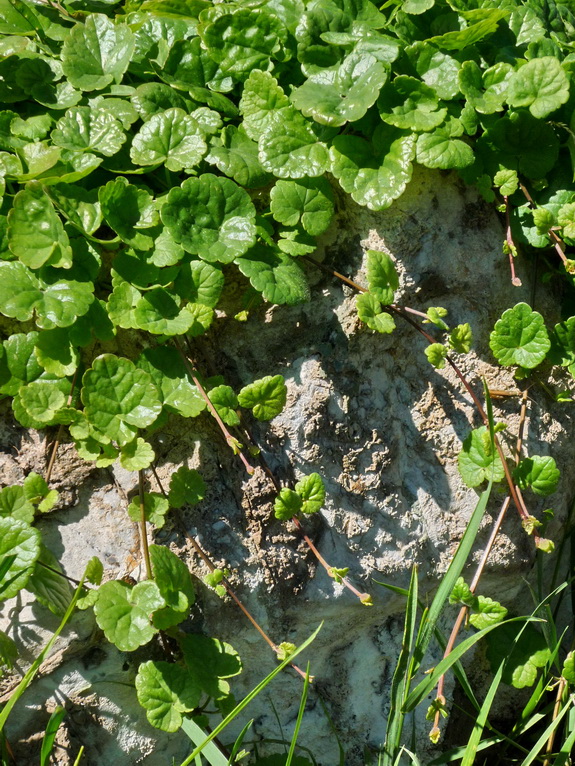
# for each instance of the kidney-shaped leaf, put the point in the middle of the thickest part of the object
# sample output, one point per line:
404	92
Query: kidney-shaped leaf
128	210
124	613
211	217
266	396
538	473
166	691
97	52
119	398
35	232
275	275
541	84
309	200
342	93
56	305
520	337
83	128
312	492
172	137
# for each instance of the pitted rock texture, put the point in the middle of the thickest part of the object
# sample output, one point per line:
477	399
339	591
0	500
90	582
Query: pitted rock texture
380	425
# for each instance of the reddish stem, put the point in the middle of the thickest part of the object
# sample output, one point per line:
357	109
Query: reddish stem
230	440
511	247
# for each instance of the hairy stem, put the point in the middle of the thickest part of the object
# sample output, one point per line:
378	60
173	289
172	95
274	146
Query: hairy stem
56	444
230	440
511	247
143	530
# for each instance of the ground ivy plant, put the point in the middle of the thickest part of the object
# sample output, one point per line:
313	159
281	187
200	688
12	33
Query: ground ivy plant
154	154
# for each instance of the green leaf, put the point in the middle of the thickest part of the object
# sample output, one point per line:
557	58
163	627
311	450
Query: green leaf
507	181
461	594
84	128
39	493
520	337
266	397
35	233
55	352
437	69
382	276
155	508
289	148
173	578
55	305
276	276
123	613
530	653
370	311
119	398
538	473
484	22
486	90
287	504
154	98
525	140
42	400
417	6
434	315
15	503
541	84
243	40
166	691
487	612
166	368
566	219
309	200
209	660
478	460
94	571
211	217
18	540
440	150
137	455
410	104
568	671
200	282
343	93
48	585
171	137
374	174
436	353
226	403
97	53
236	155
262	98
20	365
461	338
128	210
186	487
8	649
312	492
80	206
159	313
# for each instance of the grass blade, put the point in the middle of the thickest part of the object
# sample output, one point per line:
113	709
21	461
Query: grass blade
401	678
50	734
450	578
238	742
210	751
299	718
